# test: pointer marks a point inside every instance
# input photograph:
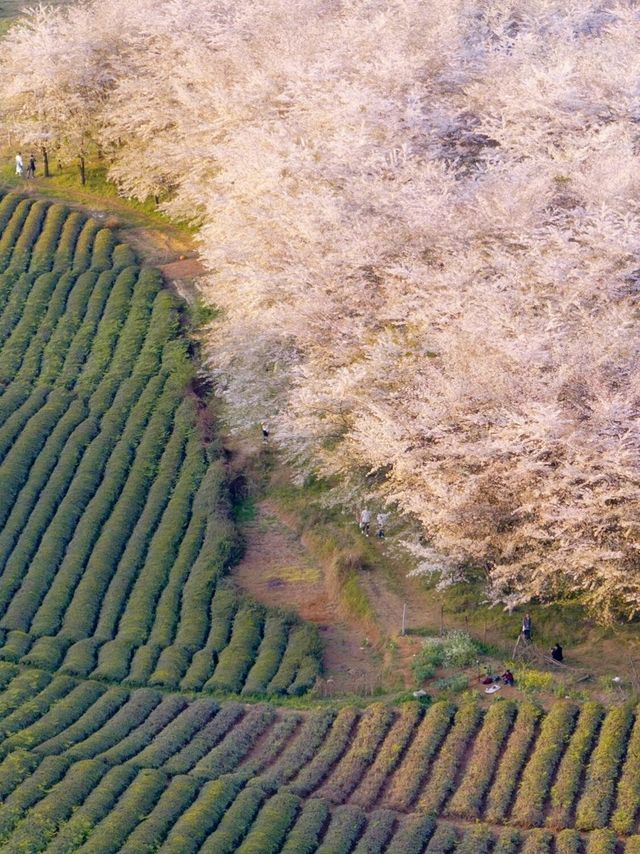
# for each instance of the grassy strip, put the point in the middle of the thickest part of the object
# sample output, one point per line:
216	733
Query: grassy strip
568	842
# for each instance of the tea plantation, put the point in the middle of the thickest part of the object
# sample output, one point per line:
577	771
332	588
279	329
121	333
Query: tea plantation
139	687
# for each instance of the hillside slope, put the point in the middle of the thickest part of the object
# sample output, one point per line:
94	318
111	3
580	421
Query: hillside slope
122	639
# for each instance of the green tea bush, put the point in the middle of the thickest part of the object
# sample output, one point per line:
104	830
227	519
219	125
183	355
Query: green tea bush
202	817
512	761
568	842
380	827
108	836
205	739
555	733
29	792
236	659
597	798
36	829
235	823
443	841
602	842
228	754
372	728
84	246
303	642
97	805
538	842
304	747
412	835
468	799
89	722
416	765
270	827
274	642
388	756
63	256
565	789
305	834
476	840
138	708
132	743
332	748
152	830
444	770
628	792
346	825
103	247
177	734
45	246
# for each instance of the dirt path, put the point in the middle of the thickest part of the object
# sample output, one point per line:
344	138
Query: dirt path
278	570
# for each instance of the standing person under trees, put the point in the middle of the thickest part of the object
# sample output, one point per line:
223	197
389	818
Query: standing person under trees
19	165
31	168
527	627
365	521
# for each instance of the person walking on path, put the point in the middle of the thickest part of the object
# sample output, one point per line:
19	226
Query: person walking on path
31	168
381	522
365	521
19	165
265	432
527	627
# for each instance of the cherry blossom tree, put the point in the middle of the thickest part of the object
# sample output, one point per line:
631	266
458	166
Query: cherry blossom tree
421	222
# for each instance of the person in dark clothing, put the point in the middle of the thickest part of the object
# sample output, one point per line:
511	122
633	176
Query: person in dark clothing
527	627
265	433
31	168
508	677
556	653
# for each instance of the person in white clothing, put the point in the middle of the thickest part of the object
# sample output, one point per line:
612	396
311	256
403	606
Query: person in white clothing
19	165
365	521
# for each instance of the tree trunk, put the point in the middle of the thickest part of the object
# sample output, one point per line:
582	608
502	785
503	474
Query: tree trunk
83	171
45	161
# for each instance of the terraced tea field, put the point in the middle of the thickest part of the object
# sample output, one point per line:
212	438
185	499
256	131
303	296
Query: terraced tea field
122	638
114	530
85	766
